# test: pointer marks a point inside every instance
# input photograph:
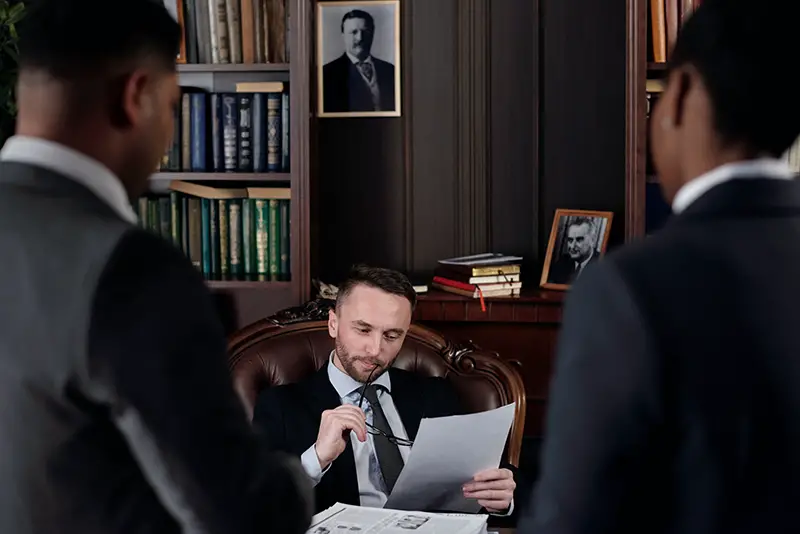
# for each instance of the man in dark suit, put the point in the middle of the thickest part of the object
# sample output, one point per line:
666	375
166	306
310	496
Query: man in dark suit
354	456
356	80
117	413
675	405
581	240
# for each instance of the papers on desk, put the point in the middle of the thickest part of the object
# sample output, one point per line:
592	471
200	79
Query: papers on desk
447	453
345	518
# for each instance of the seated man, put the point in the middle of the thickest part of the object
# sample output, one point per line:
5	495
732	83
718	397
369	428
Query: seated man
354	456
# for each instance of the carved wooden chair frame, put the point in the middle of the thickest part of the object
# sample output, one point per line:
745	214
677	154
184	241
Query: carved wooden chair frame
460	358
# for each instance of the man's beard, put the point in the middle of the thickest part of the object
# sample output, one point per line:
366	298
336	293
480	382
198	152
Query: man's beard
349	362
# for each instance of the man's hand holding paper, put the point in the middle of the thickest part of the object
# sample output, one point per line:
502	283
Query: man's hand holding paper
466	477
493	489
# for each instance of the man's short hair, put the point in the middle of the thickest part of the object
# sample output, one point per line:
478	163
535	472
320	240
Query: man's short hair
741	49
359	14
72	38
386	280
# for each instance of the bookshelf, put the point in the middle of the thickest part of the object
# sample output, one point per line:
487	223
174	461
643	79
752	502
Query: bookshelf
645	209
246	297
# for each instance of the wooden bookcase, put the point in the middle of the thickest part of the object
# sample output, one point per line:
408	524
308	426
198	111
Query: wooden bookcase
244	301
641	69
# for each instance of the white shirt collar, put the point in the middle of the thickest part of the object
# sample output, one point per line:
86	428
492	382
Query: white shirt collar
757	168
79	167
356	61
345	384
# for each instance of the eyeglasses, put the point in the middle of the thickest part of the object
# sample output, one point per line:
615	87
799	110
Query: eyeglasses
375	431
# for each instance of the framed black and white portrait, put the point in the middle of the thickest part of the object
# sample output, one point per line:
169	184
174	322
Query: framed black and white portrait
577	239
358	58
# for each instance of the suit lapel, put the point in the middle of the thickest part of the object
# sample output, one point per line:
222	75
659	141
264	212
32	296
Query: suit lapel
409	404
340	483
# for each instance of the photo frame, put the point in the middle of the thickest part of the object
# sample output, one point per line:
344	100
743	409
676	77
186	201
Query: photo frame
175	8
358	58
577	238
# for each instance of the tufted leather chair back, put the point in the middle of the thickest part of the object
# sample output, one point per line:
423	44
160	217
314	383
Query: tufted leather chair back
273	352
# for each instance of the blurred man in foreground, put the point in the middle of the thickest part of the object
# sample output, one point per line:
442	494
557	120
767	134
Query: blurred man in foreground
116	409
675	405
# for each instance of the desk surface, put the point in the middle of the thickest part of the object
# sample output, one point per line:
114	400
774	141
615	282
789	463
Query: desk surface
503	530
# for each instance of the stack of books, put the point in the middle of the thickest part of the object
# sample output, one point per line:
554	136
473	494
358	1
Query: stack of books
479	276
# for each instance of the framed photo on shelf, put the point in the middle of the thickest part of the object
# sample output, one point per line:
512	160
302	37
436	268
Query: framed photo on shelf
358	58
175	8
577	239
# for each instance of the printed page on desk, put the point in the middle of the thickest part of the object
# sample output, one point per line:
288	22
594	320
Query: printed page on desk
345	518
448	452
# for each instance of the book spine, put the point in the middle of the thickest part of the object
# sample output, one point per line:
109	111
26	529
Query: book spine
259	132
198	132
230	134
245	146
274	136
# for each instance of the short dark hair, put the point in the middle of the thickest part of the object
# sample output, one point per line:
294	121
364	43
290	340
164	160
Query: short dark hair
70	38
742	50
386	280
359	14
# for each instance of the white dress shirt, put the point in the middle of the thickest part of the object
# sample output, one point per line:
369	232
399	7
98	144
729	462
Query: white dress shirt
370	490
766	168
74	165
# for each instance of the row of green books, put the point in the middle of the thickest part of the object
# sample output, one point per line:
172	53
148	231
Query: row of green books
228	233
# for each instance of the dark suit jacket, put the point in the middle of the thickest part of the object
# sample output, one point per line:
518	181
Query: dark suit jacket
675	406
563	269
118	414
344	89
290	416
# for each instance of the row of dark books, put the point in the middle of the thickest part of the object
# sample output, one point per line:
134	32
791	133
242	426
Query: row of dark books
233	31
244	131
228	233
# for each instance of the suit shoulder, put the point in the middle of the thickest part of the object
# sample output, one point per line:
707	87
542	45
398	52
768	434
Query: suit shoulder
382	63
335	64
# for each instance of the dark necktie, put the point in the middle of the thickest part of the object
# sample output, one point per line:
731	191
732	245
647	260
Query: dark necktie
368	71
388	453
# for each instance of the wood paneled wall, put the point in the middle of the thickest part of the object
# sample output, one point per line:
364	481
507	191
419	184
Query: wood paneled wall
512	109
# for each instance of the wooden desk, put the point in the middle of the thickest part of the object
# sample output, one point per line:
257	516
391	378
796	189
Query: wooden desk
523	330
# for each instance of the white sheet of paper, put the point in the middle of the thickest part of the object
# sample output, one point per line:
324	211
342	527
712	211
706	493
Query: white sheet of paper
447	453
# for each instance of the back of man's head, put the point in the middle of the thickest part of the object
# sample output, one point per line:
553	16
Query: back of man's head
99	77
70	39
745	52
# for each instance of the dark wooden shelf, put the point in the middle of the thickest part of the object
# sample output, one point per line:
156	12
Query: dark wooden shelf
233	67
653	66
247	284
224	176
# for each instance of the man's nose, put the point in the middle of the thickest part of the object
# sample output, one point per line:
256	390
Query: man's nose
373	346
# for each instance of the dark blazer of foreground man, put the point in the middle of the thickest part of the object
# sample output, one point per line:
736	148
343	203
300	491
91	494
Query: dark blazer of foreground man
117	414
675	406
307	419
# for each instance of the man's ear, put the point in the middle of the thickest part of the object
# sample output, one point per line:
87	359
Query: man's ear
133	100
685	79
333	323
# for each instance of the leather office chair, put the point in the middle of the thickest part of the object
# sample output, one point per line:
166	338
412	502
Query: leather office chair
294	343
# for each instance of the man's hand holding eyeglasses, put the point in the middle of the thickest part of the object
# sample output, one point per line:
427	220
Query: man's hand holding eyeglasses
334	431
493	488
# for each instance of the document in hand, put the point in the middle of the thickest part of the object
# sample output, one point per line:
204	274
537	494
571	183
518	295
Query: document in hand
448	452
341	518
